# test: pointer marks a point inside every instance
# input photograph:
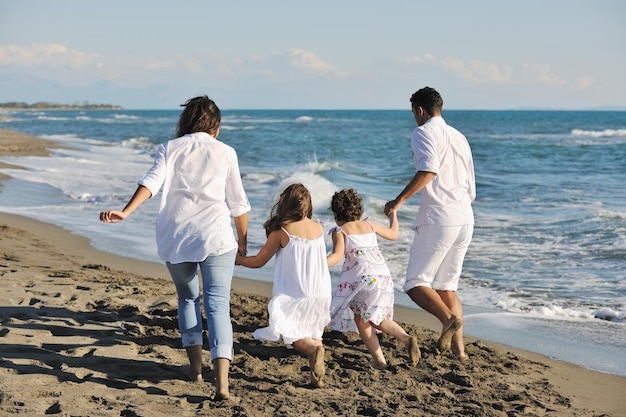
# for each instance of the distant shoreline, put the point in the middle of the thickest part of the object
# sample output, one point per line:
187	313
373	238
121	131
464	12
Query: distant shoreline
41	105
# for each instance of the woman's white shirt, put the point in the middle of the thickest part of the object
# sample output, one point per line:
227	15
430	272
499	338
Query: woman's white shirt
201	189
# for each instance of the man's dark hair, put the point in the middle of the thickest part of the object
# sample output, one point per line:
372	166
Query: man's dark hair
429	99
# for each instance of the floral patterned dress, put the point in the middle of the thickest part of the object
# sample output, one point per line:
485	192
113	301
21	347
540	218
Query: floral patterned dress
365	286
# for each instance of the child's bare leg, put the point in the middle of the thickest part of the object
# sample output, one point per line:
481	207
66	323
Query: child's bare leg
314	351
393	329
222	365
194	353
371	342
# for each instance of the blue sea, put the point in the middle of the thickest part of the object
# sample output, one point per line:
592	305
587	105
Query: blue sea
546	268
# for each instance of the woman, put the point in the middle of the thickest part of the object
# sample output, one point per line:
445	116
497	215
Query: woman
201	190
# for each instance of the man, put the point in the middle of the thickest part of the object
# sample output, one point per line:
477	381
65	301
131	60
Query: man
445	220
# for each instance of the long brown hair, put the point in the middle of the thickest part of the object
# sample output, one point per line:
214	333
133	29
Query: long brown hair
201	114
293	204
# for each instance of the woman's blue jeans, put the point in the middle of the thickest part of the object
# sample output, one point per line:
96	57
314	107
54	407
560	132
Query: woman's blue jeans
217	275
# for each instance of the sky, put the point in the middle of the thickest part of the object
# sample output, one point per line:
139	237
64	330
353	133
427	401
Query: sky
339	54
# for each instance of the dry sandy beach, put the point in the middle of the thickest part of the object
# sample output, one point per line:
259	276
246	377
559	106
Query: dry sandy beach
86	333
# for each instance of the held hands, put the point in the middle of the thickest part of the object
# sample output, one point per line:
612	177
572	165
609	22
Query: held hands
112	216
239	257
391	207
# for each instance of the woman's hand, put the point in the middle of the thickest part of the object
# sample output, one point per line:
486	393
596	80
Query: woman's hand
112	216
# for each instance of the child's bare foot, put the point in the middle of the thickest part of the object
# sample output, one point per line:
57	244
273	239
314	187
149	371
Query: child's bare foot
413	351
445	341
318	369
221	397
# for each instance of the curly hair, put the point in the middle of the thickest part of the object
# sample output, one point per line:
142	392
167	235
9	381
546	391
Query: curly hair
201	114
294	204
347	206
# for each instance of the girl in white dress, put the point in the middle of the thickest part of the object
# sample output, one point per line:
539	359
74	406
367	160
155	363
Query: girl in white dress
300	304
365	294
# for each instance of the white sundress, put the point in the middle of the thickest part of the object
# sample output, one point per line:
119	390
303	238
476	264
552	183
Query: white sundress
301	294
365	286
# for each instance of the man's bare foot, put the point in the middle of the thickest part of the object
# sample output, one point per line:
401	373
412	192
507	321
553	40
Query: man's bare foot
380	366
445	341
413	351
462	357
318	369
458	349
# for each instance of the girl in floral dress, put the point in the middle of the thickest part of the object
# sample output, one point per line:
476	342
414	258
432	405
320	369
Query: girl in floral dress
364	297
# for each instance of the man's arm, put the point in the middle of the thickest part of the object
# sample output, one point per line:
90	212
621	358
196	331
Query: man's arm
419	181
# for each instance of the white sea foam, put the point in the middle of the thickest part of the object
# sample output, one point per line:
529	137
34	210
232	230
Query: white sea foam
606	133
320	188
611	214
126	117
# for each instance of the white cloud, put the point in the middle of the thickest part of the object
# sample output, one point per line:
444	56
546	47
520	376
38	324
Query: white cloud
584	83
47	55
291	64
476	71
542	74
307	60
480	72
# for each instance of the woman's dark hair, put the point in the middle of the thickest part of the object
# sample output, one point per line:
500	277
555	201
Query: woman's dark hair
347	206
293	204
429	99
201	114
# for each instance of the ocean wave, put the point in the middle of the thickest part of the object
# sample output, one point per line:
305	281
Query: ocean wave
606	133
557	311
609	314
90	198
142	143
260	177
76	141
236	128
126	117
54	118
611	214
320	188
